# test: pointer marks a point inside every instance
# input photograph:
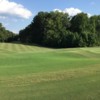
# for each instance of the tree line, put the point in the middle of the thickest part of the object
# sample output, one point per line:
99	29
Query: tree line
6	35
57	29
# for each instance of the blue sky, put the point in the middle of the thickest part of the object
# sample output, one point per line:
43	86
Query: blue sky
17	14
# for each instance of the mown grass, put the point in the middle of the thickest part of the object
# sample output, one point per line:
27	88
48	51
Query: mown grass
37	73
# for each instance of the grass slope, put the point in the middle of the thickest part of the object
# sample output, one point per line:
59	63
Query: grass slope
37	73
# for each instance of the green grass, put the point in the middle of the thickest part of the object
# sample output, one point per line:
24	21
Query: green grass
37	73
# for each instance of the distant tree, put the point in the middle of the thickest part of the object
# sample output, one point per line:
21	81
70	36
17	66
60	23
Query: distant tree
5	35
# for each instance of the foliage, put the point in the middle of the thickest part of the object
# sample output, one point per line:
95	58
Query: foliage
7	36
57	29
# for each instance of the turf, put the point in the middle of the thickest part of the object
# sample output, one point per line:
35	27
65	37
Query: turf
36	73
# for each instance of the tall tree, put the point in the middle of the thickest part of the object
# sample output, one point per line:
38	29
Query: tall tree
57	29
79	23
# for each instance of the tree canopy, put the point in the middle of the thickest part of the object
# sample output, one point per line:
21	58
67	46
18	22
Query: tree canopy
57	29
6	35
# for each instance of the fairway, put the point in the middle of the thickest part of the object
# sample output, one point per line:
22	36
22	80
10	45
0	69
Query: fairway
36	73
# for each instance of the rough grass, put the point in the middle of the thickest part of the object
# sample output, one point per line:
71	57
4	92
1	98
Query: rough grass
37	73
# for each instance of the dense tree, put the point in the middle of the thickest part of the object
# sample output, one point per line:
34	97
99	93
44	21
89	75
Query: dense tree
46	29
57	29
79	23
5	35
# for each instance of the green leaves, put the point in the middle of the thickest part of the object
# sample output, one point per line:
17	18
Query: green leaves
57	29
5	35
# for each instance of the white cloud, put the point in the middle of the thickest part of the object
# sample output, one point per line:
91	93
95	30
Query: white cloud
8	8
89	15
71	11
57	10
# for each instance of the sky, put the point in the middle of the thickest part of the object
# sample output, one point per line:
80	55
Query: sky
17	14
